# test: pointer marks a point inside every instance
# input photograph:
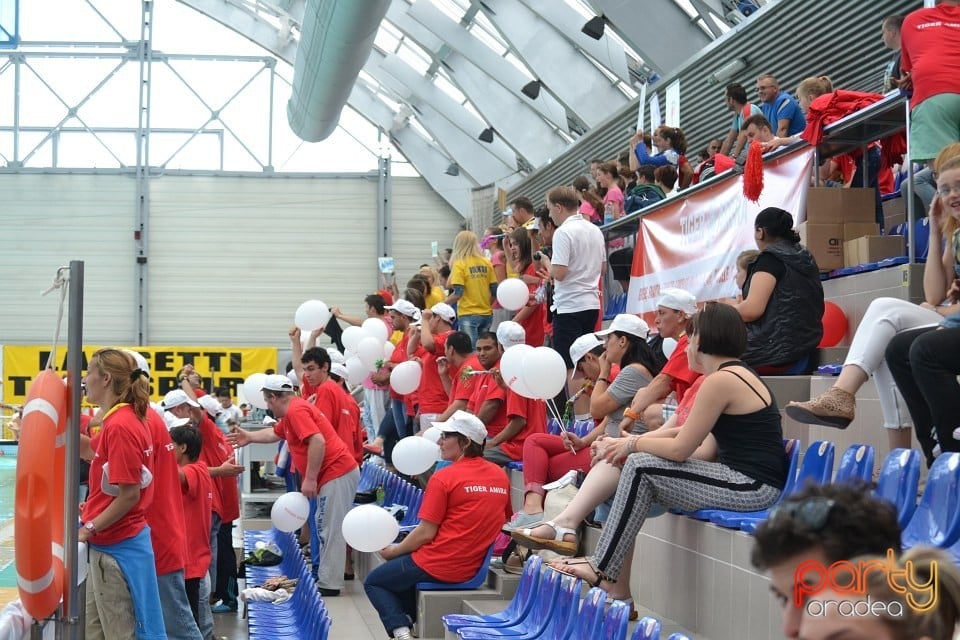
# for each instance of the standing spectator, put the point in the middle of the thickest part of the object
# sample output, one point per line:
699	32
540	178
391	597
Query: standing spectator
230	413
531	316
432	335
591	205
780	110
608	177
547	229
891	40
522	212
670	140
736	99
437	293
329	472
930	59
474	285
578	261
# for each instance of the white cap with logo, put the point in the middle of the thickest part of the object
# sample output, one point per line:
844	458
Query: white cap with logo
277	382
627	323
405	307
176	398
582	346
445	311
510	333
210	405
464	423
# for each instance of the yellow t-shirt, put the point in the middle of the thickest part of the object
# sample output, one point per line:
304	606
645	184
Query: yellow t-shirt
436	295
475	275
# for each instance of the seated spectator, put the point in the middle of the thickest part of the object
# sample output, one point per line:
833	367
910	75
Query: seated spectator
782	299
646	191
548	457
458	357
608	177
628	178
884	319
779	108
735	407
665	177
926	605
532	316
655	403
756	128
673	146
827	523
744	260
705	170
431	335
474	285
231	414
489	399
736	100
591	205
458	523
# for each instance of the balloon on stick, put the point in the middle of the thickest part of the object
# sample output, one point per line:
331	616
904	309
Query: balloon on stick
369	528
369	351
388	350
513	294
356	372
544	372
351	338
413	455
511	368
376	328
405	377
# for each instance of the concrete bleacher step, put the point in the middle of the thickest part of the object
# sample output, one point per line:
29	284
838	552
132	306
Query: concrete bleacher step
478	608
433	605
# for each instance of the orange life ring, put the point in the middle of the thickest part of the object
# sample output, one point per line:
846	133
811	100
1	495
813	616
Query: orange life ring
38	513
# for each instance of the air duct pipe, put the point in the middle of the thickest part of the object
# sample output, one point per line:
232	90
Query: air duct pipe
336	38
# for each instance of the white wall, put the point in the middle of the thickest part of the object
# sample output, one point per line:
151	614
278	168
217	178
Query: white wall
230	257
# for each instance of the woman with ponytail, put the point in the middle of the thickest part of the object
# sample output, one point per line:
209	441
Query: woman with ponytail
123	600
782	301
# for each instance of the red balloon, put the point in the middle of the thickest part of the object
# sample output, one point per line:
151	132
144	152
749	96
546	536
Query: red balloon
834	325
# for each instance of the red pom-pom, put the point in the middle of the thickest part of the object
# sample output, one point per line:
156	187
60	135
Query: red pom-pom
753	172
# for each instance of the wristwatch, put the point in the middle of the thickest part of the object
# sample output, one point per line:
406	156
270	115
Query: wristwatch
89	526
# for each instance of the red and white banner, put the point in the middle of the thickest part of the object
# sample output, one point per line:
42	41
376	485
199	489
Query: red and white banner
693	243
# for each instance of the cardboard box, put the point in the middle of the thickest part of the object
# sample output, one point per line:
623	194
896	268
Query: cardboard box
830	205
872	249
854	230
825	242
894	213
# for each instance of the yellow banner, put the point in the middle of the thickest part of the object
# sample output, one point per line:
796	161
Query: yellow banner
219	366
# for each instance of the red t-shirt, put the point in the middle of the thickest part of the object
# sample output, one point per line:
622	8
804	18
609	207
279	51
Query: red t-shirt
433	398
348	426
486	389
534	412
929	42
214	451
304	420
534	323
470	501
165	514
124	443
197	490
683	409
463	388
679	370
328	397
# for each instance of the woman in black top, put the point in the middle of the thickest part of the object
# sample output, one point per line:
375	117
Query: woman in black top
782	299
735	407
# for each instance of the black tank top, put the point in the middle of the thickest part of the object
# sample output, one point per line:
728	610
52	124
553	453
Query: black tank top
752	443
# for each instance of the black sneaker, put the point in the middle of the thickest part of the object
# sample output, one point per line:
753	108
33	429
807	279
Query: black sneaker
328	593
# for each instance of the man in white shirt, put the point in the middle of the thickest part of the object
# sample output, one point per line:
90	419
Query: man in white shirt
579	258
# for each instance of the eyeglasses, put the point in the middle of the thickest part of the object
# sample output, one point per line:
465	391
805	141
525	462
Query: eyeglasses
811	514
447	434
947	189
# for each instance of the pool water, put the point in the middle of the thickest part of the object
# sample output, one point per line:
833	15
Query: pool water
8	476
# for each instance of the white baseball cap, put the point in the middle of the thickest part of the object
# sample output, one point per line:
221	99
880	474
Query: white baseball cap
627	323
335	355
339	370
406	308
445	311
277	382
141	361
464	423
173	421
678	300
210	405
176	398
582	346
510	333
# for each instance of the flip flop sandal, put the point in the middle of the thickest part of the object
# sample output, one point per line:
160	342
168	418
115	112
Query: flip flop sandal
578	561
556	544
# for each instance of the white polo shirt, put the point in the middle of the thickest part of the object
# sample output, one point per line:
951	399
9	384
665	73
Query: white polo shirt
578	245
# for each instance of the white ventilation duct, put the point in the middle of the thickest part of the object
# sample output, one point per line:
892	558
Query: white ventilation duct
336	38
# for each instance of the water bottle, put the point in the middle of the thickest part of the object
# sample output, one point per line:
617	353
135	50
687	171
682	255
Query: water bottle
608	213
381	494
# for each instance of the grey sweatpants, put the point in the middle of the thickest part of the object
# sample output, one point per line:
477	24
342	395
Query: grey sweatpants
333	501
689	485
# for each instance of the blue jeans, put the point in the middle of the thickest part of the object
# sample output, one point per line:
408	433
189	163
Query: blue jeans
206	616
214	534
177	615
392	590
473	326
400	418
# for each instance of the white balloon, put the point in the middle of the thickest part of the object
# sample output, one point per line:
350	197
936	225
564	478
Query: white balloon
290	511
294	378
253	390
375	327
668	346
544	372
414	455
356	372
513	294
405	377
432	434
388	350
351	338
369	528
511	367
369	351
311	315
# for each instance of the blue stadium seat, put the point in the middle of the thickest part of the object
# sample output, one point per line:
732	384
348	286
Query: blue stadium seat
898	482
856	464
647	629
792	448
553	427
615	624
817	468
936	521
921	237
679	636
588	621
473	583
542	608
517	609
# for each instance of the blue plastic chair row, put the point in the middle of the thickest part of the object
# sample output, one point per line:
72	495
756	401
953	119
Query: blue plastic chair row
616	304
396	490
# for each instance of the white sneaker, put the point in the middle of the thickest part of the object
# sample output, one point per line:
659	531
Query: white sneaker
568	478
